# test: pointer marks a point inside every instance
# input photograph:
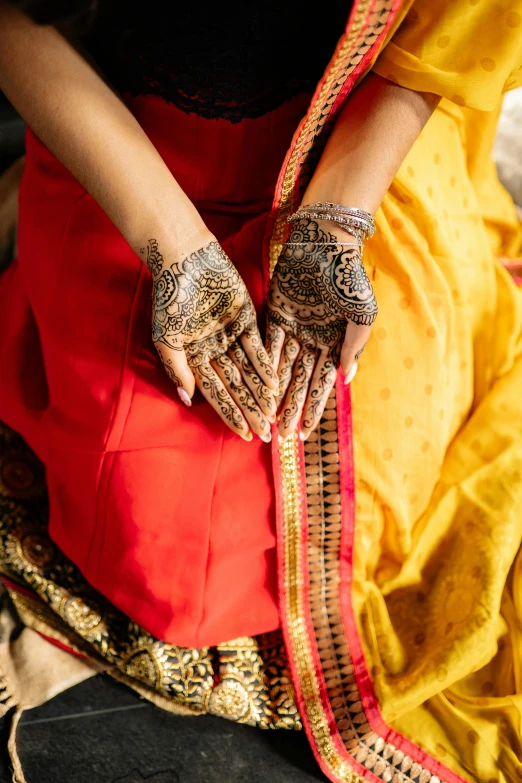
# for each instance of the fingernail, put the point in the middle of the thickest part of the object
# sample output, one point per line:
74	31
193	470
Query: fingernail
351	373
267	438
248	437
303	435
185	399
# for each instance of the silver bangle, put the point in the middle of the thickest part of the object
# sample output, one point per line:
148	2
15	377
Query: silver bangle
351	225
361	222
327	205
323	244
365	226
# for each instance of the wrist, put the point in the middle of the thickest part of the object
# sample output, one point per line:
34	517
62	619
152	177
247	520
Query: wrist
342	190
351	220
175	240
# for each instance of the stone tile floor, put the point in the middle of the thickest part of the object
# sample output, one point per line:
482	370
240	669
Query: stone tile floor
102	732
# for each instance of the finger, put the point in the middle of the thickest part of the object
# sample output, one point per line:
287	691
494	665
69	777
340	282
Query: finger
265	398
355	339
178	370
240	393
256	352
289	354
212	389
275	338
297	392
321	385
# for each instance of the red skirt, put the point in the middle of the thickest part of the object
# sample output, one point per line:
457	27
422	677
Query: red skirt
163	509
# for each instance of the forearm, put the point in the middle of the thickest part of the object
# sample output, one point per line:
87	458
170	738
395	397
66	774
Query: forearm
91	131
370	139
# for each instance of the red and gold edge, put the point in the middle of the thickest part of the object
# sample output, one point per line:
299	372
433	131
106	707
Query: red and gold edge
316	503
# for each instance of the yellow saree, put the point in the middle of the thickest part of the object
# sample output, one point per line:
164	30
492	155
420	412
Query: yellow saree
399	520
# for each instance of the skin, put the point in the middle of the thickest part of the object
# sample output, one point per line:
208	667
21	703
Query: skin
357	166
202	311
84	123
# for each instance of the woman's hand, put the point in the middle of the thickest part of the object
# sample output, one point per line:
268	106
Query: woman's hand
205	331
321	307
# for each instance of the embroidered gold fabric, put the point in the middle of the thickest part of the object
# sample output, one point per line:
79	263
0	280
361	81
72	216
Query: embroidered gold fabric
245	680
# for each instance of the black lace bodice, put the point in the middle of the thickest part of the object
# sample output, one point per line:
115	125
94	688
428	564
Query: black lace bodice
218	60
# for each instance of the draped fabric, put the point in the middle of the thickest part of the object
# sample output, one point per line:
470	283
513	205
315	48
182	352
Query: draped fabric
399	520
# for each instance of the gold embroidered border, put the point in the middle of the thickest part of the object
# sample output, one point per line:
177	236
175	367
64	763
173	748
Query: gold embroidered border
323	498
321	476
245	680
294	583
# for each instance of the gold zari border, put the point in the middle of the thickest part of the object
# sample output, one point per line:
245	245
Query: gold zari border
380	758
294	583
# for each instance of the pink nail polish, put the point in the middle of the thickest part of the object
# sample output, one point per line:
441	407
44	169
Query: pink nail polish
185	399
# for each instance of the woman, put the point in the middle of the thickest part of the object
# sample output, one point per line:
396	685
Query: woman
169	155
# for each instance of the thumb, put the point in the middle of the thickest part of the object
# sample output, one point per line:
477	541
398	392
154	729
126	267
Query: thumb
177	368
355	339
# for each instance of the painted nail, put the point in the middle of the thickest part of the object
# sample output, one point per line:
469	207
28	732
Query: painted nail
248	437
303	435
351	373
185	399
267	438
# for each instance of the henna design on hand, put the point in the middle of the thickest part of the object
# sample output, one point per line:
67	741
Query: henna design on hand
215	392
324	379
169	369
261	392
296	396
199	304
241	394
200	307
153	259
318	287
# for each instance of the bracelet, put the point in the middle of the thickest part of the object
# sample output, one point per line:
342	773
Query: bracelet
366	229
327	205
358	222
322	244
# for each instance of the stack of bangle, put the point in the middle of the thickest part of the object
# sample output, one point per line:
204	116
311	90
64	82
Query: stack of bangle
357	222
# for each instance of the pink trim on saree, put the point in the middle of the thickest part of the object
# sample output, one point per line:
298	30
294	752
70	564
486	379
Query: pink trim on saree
362	674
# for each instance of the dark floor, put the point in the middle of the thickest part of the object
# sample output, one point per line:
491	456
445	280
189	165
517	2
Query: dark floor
102	732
